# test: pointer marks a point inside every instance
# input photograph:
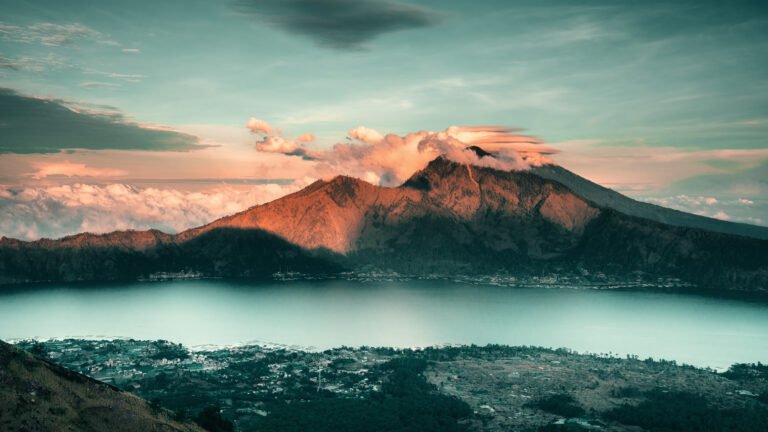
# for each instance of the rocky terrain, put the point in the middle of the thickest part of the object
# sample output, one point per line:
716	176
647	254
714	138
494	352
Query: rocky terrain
37	395
448	218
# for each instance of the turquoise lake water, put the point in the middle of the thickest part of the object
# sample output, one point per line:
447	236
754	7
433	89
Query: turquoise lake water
690	329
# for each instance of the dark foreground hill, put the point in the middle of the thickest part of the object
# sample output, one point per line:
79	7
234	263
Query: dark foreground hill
447	219
36	395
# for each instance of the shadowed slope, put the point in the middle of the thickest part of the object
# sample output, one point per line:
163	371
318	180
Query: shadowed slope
39	396
219	252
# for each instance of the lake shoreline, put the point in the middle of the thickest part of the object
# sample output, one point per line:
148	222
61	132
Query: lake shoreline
551	281
332	313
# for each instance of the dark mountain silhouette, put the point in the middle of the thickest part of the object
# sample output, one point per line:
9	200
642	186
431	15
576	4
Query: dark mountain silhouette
446	219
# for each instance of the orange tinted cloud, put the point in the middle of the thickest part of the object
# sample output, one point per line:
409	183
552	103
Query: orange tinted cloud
70	169
366	135
306	137
389	159
259	126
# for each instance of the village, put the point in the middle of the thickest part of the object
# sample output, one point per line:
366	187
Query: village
503	386
241	381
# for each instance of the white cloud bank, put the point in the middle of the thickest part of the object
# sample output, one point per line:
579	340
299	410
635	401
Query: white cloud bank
735	210
30	213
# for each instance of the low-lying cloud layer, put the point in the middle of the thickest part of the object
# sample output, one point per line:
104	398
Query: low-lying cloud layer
37	125
390	159
340	24
34	212
724	208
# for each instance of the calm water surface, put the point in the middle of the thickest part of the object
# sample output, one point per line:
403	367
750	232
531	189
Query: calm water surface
695	330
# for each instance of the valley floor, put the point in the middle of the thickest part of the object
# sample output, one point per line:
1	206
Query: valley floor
492	388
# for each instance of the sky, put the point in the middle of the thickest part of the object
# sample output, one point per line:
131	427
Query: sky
146	114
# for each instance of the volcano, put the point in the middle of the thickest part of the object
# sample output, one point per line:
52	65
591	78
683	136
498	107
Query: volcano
447	219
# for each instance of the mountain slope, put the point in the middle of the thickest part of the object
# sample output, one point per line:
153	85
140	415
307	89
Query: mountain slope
39	396
446	219
608	198
347	215
456	219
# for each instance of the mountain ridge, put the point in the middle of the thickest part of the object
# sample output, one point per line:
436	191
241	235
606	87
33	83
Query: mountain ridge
447	218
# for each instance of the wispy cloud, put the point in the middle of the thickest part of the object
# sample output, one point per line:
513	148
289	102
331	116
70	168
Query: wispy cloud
131	78
34	64
339	24
69	169
52	34
98	84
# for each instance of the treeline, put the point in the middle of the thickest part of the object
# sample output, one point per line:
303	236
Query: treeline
407	402
661	411
224	252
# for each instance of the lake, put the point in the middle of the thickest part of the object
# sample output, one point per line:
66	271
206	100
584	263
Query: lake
696	330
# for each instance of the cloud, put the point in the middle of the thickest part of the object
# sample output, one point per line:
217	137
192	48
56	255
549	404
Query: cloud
33	64
735	210
39	125
362	133
391	159
69	169
98	84
52	34
259	126
339	24
132	50
132	78
272	141
276	144
34	212
53	62
306	137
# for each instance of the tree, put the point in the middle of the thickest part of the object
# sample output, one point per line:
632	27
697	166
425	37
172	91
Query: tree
211	420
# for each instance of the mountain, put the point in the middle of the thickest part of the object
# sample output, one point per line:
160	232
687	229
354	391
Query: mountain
447	219
605	197
36	395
